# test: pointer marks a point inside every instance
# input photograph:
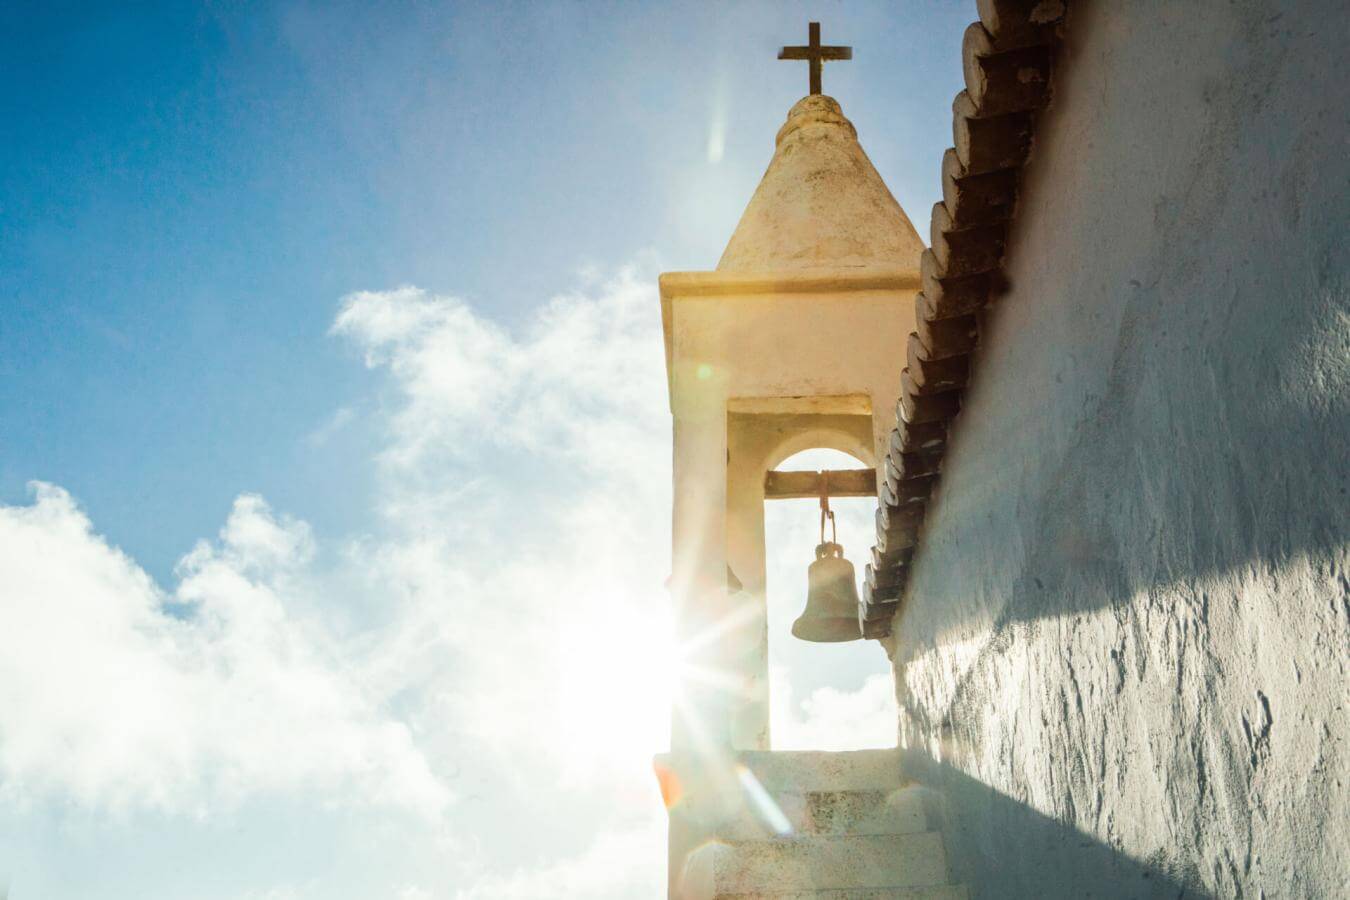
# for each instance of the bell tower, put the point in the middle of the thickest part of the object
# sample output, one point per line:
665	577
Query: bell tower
794	341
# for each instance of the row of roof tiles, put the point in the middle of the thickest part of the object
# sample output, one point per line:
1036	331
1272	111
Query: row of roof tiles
1007	57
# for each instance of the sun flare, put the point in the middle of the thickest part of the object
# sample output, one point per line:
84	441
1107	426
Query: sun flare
616	676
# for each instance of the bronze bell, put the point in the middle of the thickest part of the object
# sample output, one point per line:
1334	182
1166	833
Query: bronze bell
831	612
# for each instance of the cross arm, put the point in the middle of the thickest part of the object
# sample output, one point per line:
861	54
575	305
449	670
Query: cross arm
816	53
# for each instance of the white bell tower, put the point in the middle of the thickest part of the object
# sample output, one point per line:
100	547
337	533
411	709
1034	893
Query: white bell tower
795	341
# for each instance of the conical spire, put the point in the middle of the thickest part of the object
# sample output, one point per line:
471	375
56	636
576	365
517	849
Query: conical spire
821	204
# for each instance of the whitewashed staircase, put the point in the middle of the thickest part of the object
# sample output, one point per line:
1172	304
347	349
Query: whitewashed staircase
855	834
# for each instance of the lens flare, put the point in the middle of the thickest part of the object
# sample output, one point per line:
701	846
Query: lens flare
769	812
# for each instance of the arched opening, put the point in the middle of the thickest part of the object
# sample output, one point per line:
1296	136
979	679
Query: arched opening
822	696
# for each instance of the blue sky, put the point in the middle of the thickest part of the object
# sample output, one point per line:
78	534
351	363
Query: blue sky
187	195
186	192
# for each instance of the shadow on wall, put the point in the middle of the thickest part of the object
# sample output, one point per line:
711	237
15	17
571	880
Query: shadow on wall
1131	599
1000	848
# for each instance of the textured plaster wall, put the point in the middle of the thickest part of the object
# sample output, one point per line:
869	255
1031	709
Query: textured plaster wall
1123	662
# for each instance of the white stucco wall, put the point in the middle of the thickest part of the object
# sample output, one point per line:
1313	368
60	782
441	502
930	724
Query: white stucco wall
1124	658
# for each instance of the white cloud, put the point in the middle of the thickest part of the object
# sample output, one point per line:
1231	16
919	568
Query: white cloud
340	419
834	719
501	628
526	495
123	697
617	864
285	892
526	503
583	385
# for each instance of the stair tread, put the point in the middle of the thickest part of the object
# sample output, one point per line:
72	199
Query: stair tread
933	892
833	812
819	862
822	770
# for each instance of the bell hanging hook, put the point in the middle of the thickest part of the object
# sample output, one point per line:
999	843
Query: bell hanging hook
825	511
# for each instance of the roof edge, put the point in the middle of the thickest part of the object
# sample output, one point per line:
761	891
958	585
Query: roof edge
796	281
1009	58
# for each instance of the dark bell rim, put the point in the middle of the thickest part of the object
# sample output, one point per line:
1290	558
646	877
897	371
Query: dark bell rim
839	628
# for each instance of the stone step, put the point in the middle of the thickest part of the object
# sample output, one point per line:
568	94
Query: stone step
938	892
832	812
806	771
816	863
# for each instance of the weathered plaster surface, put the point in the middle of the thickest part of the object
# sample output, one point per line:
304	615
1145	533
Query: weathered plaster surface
821	202
1123	660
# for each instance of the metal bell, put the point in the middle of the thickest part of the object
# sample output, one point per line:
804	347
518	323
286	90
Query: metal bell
831	613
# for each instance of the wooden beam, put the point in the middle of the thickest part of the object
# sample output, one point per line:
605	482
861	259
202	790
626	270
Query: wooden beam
842	483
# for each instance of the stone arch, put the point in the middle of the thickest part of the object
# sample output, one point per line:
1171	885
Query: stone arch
848	434
758	443
857	444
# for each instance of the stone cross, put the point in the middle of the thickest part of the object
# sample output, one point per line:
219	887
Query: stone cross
815	54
